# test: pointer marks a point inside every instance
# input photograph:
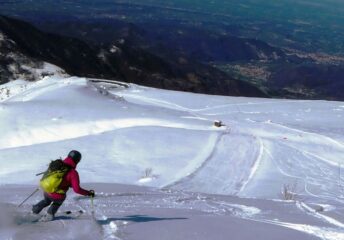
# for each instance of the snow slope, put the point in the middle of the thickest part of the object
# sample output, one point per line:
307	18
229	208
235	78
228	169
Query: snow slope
208	182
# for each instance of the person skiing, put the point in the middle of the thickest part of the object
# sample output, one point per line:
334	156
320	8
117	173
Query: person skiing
70	179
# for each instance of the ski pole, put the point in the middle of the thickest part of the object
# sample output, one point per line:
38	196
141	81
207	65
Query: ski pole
92	205
41	173
36	190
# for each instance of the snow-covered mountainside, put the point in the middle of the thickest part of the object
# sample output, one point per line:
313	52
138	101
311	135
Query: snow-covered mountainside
162	169
24	48
16	65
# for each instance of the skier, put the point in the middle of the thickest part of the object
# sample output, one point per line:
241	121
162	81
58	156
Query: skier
71	179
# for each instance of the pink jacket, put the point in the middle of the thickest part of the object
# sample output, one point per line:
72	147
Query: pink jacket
70	180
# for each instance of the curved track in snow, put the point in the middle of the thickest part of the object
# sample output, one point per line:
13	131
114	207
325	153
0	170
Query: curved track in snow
228	168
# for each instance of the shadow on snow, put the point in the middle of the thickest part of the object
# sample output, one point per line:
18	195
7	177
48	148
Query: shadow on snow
135	218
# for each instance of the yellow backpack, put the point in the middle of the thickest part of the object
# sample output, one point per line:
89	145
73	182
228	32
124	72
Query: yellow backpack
53	177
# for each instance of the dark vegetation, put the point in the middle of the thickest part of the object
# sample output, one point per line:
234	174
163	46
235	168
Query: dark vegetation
119	61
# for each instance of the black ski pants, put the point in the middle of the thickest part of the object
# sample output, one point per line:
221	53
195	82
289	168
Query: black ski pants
55	205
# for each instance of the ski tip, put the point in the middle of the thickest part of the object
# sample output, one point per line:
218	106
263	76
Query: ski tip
70	212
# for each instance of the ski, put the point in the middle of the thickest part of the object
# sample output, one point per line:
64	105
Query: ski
35	218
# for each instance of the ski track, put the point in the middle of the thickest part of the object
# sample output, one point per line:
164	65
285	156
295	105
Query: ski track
255	166
300	171
235	172
41	87
156	102
317	135
174	106
255	214
160	103
304	207
244	104
322	233
279	167
196	170
317	165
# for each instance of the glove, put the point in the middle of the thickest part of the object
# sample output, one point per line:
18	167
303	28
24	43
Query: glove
92	193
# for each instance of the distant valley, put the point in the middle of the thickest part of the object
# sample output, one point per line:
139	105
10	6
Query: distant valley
189	46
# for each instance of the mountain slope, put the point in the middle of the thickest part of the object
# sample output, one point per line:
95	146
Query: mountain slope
70	54
16	65
274	170
121	61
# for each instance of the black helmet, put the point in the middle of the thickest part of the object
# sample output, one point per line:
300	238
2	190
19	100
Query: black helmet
75	155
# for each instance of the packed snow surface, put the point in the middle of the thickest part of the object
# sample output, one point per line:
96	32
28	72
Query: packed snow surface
162	169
